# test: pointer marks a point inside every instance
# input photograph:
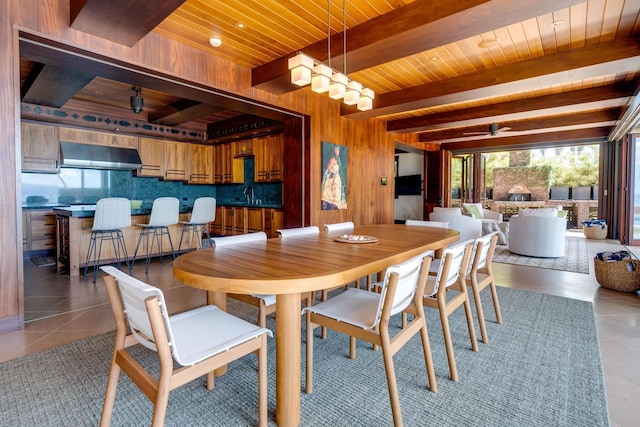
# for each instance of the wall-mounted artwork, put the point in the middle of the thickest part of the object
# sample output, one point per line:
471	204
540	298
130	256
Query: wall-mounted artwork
334	176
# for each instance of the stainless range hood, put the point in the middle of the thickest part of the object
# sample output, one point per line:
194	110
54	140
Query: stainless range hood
90	156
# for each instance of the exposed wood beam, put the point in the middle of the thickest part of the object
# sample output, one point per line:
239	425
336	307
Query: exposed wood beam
52	86
182	111
617	56
578	100
411	29
585	119
121	21
531	141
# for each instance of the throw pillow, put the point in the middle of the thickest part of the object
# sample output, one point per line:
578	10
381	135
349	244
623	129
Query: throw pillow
562	213
475	209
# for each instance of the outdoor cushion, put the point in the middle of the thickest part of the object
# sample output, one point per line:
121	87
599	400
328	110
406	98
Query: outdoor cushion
539	212
562	213
448	211
475	209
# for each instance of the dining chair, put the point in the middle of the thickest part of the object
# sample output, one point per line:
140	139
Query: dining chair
481	275
266	303
298	231
112	214
199	340
165	211
451	277
436	224
338	226
204	212
357	312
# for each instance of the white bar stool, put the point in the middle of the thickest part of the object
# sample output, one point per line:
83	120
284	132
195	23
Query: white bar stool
111	216
204	212
164	212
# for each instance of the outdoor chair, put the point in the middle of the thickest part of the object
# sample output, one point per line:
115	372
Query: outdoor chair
298	231
204	212
366	315
165	211
199	340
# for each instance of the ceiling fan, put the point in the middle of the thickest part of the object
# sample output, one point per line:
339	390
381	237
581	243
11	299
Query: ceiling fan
494	129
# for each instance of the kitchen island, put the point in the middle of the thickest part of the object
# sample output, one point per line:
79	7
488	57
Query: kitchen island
73	232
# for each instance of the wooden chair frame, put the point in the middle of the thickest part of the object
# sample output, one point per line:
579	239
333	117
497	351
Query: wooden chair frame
380	337
480	278
157	390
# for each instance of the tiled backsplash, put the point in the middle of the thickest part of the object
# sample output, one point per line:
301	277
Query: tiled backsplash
89	185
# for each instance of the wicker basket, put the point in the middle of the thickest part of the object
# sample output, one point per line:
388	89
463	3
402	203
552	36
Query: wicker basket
621	276
595	232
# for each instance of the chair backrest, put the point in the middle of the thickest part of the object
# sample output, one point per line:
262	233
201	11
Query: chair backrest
338	226
484	248
436	224
408	275
204	210
112	213
451	266
164	212
240	238
133	294
298	232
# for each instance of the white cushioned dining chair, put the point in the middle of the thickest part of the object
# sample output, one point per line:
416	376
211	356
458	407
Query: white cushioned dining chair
204	212
451	277
481	275
112	214
199	340
366	315
343	227
165	211
266	303
298	231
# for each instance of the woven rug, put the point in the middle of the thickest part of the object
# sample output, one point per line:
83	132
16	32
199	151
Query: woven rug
575	257
45	261
541	368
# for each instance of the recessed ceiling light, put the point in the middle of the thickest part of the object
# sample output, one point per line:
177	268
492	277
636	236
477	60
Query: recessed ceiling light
434	58
215	42
240	25
486	43
557	23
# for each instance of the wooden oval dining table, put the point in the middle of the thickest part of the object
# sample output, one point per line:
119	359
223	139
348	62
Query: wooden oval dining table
291	267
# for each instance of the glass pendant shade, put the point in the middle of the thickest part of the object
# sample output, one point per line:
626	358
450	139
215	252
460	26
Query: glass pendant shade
300	66
338	86
352	94
365	102
321	78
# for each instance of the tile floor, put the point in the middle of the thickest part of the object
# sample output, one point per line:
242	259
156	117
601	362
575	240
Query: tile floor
59	309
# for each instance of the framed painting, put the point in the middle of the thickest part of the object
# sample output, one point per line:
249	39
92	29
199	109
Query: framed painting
334	176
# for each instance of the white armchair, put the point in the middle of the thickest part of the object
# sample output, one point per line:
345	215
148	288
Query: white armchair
537	236
468	227
477	211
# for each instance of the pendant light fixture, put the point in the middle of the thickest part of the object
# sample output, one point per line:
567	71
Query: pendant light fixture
307	70
136	102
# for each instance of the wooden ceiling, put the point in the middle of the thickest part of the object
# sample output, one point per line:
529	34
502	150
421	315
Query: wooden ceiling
444	69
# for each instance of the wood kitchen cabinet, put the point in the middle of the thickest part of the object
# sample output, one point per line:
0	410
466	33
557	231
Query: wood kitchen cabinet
269	158
243	148
97	138
217	226
273	220
233	222
39	230
176	155
151	152
40	148
227	169
255	219
200	164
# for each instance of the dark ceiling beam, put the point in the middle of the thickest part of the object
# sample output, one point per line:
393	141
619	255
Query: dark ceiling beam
182	111
121	21
585	119
617	56
411	29
577	100
52	86
522	142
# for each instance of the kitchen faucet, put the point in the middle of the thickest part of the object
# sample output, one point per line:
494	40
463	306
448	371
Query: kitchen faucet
248	193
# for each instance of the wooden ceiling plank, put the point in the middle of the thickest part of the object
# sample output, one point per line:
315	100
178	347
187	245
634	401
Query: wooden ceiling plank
619	55
182	111
414	28
121	21
52	86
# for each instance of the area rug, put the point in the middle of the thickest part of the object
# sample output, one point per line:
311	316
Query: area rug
542	367
45	261
575	257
